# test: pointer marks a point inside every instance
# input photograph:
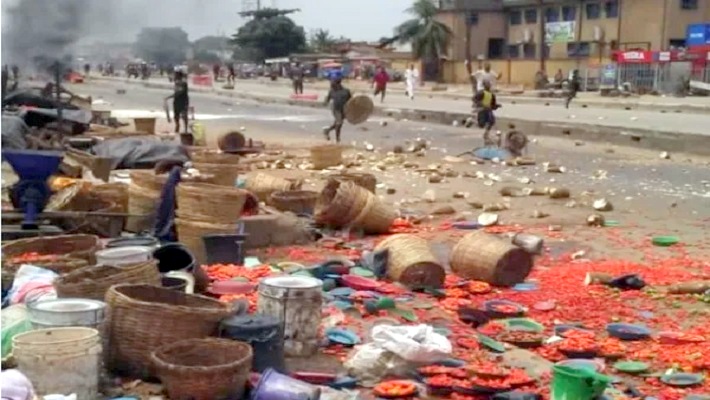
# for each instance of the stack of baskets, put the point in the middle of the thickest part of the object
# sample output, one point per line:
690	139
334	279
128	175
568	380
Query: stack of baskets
263	185
344	204
411	262
143	197
204	209
93	283
295	201
326	156
142	318
224	167
362	179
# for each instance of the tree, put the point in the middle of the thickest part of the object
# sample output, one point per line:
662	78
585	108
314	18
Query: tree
429	38
162	45
321	41
270	33
212	49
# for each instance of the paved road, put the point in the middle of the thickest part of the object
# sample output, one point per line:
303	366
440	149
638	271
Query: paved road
621	119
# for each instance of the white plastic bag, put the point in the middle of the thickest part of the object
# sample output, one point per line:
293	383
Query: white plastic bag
370	363
417	344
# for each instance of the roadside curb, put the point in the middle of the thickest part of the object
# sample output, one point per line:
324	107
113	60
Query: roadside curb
639	138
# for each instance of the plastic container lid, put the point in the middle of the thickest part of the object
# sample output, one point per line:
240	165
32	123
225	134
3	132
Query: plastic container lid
631	367
665	241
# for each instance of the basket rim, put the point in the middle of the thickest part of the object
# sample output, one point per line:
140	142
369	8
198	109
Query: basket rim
113	290
157	359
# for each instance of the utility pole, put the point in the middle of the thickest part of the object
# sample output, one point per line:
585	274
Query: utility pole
542	34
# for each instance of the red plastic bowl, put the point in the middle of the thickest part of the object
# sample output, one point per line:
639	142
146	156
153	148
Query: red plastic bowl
359	283
231	287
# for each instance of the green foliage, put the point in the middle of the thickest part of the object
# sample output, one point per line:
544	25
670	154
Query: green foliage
429	38
269	34
321	41
162	45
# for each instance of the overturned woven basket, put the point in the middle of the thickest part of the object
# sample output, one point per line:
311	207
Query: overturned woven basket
142	318
262	185
411	262
362	179
340	203
92	282
376	217
204	369
326	156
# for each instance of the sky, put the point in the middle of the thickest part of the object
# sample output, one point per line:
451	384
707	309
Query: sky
120	20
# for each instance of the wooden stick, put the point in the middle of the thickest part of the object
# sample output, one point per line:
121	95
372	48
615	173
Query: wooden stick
597	278
692	287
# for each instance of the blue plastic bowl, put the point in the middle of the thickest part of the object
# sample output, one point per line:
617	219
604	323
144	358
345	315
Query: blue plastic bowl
628	331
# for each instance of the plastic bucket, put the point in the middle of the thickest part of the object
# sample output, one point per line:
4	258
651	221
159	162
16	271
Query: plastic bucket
174	283
276	386
60	360
577	384
265	335
120	256
174	257
67	312
224	248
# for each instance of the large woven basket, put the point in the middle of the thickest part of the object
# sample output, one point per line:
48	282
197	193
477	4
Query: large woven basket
73	246
204	369
146	125
92	282
231	141
105	226
142	318
411	262
61	265
190	233
362	179
358	109
326	156
487	258
262	185
223	174
142	205
295	201
147	179
113	192
376	217
205	156
340	203
210	203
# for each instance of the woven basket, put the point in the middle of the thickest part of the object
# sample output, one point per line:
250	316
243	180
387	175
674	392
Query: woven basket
411	262
143	203
376	217
295	201
190	233
147	179
146	125
231	141
101	225
204	369
113	192
92	282
340	203
211	203
262	185
214	157
326	156
358	109
487	258
61	265
362	179
141	318
223	174
72	246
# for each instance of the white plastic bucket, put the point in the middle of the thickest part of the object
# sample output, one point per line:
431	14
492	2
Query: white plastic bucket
128	255
60	360
59	313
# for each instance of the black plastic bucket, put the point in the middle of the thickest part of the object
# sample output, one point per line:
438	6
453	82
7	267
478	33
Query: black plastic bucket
174	257
174	283
224	248
265	335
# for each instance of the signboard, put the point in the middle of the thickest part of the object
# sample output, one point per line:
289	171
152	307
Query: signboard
698	35
664	56
634	57
559	32
608	75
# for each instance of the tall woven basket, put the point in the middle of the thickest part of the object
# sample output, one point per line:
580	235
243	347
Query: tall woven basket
340	203
214	157
376	217
142	205
204	369
484	257
326	156
92	282
223	174
142	318
362	179
262	185
147	179
295	201
190	233
411	262
113	192
210	203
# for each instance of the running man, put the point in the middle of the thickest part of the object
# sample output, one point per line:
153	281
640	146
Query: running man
181	100
339	96
573	88
381	79
411	77
486	104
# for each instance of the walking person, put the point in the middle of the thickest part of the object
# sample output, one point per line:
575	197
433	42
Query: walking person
486	104
231	75
215	72
339	97
411	77
297	74
573	88
181	100
381	79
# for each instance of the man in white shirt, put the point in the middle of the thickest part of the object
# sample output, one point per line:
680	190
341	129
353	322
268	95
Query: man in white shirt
411	77
486	75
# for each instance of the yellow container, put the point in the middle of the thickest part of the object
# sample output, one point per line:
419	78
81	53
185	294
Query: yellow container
198	133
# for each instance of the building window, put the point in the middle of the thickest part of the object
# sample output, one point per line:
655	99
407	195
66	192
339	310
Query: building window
472	18
569	13
552	14
515	18
447	4
594	10
529	50
689	4
676	44
531	16
496	48
578	49
513	51
611	9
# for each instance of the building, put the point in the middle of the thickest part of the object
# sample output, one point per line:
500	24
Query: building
548	35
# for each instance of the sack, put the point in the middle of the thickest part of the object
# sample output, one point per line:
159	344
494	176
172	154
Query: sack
418	344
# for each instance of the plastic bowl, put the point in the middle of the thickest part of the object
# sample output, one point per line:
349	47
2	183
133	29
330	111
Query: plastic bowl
359	283
581	363
491	308
522	324
628	332
665	241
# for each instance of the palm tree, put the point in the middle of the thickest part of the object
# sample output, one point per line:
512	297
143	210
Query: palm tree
322	41
429	38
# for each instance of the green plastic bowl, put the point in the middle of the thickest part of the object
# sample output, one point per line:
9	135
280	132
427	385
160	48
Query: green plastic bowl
631	367
665	241
522	324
